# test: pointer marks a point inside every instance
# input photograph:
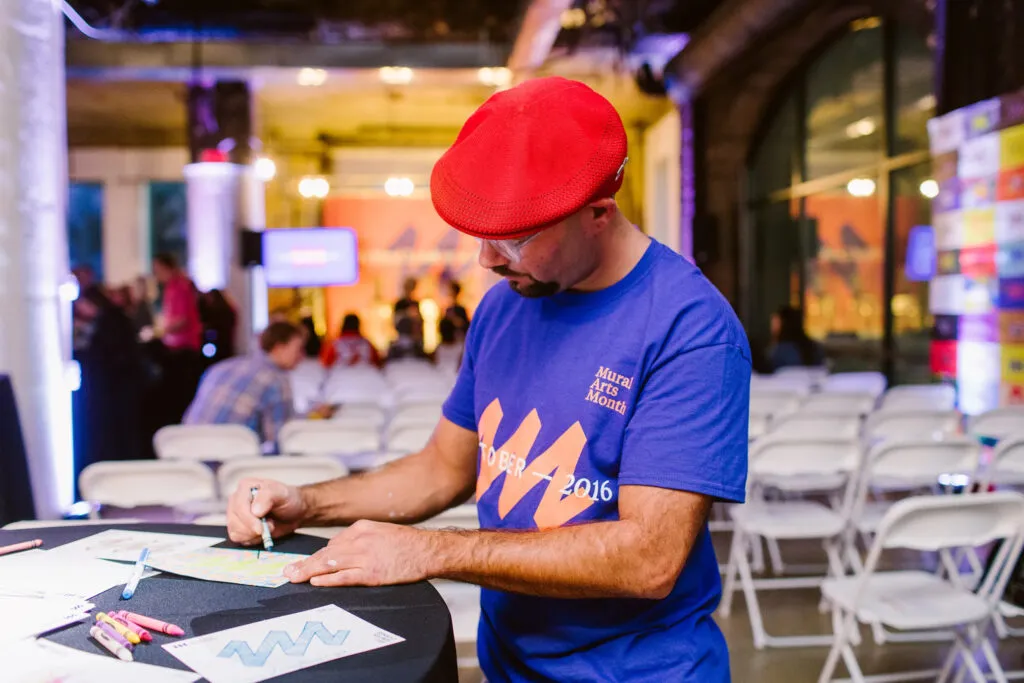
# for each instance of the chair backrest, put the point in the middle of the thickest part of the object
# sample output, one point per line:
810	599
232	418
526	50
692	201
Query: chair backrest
415	415
840	403
1007	466
912	463
998	423
296	470
757	426
365	414
206	443
920	397
813	427
861	382
774	402
911	424
774	456
795	383
133	483
326	437
942	523
309	370
409	439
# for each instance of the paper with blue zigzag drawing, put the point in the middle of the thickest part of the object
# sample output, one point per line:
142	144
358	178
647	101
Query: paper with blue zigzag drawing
264	649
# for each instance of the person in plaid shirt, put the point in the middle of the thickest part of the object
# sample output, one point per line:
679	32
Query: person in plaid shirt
252	390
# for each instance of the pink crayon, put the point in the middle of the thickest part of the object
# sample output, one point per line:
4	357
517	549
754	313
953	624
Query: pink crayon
142	633
153	624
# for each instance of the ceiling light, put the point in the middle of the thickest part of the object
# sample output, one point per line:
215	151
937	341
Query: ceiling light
861	187
498	76
929	188
926	103
862	128
396	75
264	168
399	187
314	187
311	77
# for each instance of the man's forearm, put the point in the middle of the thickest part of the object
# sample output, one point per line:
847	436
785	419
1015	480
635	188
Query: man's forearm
406	491
605	559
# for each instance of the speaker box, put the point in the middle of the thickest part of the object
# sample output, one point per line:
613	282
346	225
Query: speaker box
251	248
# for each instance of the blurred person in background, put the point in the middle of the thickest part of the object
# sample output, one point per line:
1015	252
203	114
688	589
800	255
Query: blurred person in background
407	307
351	348
181	334
313	340
456	313
406	346
792	346
448	354
219	320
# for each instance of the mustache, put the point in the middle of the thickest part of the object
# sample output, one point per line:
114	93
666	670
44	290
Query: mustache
505	271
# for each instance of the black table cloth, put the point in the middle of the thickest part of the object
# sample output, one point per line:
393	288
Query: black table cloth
415	612
15	493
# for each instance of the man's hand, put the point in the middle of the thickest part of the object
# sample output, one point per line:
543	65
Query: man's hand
368	554
282	505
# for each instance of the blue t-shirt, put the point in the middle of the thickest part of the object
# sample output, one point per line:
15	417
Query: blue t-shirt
644	383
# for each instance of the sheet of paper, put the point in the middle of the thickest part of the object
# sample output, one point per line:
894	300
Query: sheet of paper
26	617
40	661
36	571
229	565
273	647
125	546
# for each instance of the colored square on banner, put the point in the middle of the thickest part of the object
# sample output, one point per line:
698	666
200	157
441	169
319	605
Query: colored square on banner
943	359
946	294
981	361
1010	260
978	261
1012	395
949	197
948	262
949	230
1011	109
1011	327
944	167
946	328
1011	293
979	193
1011	153
979	157
979	328
975	395
982	117
980	294
1010	221
946	133
1013	363
979	226
1011	185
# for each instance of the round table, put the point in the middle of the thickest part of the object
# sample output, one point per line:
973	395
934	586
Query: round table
415	612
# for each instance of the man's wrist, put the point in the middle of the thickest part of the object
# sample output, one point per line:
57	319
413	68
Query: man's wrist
446	551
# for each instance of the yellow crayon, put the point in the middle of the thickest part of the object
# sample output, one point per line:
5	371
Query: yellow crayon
126	633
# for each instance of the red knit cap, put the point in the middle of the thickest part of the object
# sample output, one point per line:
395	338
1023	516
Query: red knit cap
528	158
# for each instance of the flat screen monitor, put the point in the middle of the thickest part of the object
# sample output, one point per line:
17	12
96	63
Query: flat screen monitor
920	265
310	257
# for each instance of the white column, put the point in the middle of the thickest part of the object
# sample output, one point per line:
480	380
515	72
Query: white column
223	199
35	335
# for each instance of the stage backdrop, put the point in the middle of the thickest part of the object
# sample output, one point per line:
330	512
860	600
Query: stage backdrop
399	238
977	295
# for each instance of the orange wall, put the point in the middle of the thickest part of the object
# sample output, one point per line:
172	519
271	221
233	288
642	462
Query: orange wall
398	238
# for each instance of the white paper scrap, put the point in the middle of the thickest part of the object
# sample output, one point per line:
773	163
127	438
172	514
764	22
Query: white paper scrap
40	661
264	649
36	571
26	617
126	545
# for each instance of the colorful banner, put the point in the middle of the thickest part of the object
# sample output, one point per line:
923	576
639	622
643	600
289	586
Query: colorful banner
949	230
1013	363
978	261
978	194
982	117
943	359
948	262
979	158
979	226
946	328
980	295
1011	293
1010	260
979	328
1011	185
1011	327
1011	153
1010	221
946	294
947	134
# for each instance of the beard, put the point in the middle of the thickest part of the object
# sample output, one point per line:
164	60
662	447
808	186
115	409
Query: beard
534	289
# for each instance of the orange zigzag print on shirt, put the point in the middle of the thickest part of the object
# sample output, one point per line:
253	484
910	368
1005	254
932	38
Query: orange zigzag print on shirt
552	467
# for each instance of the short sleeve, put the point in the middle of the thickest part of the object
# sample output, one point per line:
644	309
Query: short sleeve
460	408
690	428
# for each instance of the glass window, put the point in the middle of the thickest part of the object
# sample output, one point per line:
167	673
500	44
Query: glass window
914	99
168	220
845	104
912	321
85	227
772	166
776	261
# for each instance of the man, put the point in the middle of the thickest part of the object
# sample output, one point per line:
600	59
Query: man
600	408
182	336
252	390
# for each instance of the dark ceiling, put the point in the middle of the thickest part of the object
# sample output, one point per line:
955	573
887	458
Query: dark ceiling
322	21
620	23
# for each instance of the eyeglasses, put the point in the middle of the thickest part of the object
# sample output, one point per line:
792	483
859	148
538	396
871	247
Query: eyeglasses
512	249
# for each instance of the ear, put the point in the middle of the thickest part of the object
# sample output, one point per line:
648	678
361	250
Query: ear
602	211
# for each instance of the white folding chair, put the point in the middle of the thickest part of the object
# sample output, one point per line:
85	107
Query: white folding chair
920	397
361	414
426	414
789	382
794	466
774	402
296	470
1006	469
135	483
890	423
840	403
355	385
919	601
409	439
327	437
998	423
206	443
757	425
801	425
858	382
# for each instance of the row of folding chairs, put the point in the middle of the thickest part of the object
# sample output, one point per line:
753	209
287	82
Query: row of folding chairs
398	384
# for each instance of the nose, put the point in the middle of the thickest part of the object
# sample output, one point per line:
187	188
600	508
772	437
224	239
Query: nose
490	257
